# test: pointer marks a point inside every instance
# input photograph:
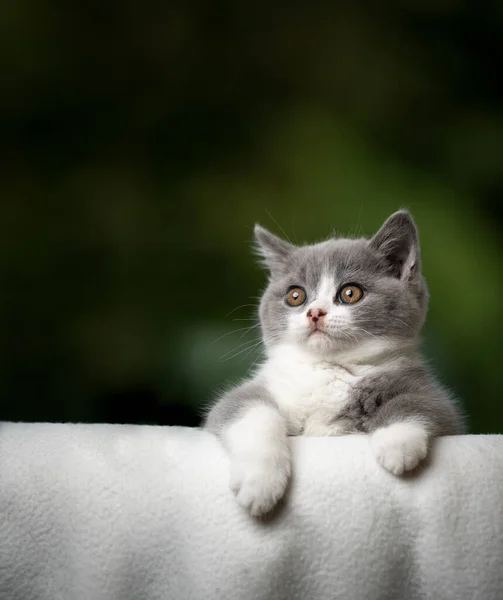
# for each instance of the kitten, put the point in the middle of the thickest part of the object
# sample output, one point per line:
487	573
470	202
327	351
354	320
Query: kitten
340	323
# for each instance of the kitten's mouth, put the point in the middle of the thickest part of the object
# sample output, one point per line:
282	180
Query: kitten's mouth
315	331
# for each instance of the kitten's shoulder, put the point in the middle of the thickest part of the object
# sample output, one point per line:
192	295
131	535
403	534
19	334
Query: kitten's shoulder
409	385
234	402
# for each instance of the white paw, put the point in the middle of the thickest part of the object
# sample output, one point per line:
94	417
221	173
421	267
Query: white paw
260	483
400	447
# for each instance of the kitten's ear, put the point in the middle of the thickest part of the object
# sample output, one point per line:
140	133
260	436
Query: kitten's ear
397	242
273	250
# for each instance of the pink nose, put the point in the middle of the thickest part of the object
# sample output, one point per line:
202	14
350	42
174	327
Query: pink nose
315	314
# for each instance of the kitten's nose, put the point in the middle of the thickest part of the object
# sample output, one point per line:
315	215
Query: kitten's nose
315	314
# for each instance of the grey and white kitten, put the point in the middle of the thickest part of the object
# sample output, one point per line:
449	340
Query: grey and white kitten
340	321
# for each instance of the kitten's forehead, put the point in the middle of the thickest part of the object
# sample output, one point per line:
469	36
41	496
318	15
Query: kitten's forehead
341	259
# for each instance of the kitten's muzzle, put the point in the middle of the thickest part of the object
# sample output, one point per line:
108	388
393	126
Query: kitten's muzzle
314	315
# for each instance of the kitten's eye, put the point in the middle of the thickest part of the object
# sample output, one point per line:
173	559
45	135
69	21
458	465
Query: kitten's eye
350	294
296	296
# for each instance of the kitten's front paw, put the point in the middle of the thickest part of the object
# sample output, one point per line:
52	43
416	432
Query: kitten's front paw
400	447
259	484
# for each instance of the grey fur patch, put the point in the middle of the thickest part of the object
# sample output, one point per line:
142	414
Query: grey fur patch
407	392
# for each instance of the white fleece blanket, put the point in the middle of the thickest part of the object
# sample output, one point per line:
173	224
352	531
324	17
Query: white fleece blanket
95	512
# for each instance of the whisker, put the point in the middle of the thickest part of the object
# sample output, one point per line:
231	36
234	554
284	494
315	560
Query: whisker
246	319
404	323
284	232
233	331
368	332
248	349
237	308
248	329
252	365
246	343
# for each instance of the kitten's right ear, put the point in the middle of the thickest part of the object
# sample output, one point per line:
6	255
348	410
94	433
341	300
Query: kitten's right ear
397	242
273	250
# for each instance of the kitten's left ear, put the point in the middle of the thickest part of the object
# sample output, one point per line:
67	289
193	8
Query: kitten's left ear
273	250
397	242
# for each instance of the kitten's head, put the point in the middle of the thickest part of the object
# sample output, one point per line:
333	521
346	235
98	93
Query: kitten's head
344	296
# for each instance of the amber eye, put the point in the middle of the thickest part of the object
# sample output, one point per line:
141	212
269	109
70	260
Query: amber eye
349	294
296	296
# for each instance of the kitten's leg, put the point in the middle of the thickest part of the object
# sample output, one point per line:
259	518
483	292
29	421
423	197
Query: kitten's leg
400	433
403	424
252	430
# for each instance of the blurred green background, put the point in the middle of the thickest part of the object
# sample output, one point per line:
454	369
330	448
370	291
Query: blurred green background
142	140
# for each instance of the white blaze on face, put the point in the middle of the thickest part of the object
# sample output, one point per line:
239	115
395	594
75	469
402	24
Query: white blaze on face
324	298
337	316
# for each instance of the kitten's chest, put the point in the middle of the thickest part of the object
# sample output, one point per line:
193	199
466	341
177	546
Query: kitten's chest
310	396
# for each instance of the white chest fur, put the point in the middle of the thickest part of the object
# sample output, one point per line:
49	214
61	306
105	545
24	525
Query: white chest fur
310	393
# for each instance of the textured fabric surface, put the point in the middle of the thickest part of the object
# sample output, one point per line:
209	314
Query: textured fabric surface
95	512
